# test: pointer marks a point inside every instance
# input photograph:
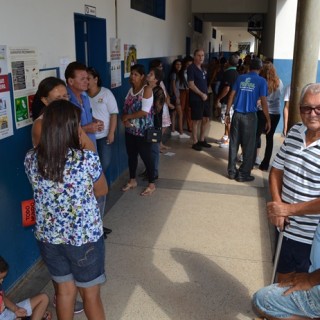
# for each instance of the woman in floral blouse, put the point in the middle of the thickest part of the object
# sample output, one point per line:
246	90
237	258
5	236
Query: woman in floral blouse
137	117
66	180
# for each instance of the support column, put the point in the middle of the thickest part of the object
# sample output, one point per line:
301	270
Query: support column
306	53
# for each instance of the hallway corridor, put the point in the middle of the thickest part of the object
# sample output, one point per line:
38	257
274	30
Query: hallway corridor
197	249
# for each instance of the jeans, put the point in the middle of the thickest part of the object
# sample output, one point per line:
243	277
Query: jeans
275	118
271	301
242	132
156	157
135	146
104	152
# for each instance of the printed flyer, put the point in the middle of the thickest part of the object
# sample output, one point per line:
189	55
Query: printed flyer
25	79
115	62
6	125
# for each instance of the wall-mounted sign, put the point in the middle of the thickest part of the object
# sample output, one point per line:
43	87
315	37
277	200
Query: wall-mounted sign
90	10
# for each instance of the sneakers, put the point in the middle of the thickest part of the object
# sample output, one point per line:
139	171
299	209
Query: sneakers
204	144
175	133
257	162
78	306
224	142
196	146
184	136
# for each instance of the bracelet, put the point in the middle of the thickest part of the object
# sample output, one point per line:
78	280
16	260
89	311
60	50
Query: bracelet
227	114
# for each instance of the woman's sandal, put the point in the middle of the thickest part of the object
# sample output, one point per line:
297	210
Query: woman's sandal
148	191
47	316
129	186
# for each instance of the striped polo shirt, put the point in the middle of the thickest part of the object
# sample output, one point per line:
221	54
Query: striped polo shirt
301	180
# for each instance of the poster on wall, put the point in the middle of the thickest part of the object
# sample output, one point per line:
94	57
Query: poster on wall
6	125
25	80
115	62
130	58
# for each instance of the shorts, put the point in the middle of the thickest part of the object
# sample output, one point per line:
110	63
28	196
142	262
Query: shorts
9	315
271	301
200	109
82	264
294	256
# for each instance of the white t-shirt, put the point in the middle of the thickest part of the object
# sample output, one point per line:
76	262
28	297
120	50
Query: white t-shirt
286	96
103	105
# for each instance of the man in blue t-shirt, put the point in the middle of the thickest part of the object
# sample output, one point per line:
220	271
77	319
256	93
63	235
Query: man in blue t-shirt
247	90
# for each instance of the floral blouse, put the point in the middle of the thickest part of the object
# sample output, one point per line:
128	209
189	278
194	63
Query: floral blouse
67	213
133	103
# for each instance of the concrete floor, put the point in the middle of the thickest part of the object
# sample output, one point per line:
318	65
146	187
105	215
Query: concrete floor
197	249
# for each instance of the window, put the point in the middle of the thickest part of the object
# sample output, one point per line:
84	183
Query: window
214	33
156	8
198	24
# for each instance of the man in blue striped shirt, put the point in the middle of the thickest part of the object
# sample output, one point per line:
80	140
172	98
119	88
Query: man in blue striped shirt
295	189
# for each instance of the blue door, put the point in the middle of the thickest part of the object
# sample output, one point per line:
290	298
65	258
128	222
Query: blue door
91	43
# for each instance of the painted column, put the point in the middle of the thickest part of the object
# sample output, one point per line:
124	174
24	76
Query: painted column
306	52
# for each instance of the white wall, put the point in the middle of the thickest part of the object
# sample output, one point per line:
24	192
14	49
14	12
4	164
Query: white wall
235	35
49	26
285	29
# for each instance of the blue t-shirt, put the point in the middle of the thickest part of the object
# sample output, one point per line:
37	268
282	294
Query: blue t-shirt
86	111
199	77
249	88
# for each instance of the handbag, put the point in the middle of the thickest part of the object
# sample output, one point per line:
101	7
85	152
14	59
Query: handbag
153	134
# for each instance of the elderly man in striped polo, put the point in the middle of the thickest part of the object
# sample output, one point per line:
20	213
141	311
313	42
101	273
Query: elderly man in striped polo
295	188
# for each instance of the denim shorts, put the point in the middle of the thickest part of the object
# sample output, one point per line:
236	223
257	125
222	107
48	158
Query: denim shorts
271	301
9	315
83	264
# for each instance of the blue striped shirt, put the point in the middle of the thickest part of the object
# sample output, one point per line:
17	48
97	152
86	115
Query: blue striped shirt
301	180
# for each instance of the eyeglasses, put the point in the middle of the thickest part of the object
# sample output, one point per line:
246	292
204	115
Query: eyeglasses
309	109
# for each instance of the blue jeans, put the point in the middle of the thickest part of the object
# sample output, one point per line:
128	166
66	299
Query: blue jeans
156	156
105	153
271	301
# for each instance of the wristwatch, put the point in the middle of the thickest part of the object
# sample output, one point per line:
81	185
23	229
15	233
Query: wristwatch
227	114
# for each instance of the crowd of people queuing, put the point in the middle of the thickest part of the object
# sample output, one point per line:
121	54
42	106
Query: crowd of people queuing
72	135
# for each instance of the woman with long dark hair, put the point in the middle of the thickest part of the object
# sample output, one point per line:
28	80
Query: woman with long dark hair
137	118
66	180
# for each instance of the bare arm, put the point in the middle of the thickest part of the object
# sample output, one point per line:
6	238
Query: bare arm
195	89
265	109
86	142
285	117
36	132
279	211
223	93
18	311
112	128
100	187
229	104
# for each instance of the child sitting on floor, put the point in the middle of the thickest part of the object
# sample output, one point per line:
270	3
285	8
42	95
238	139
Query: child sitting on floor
35	307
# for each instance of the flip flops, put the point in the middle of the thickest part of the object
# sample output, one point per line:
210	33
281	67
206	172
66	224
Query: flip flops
129	186
148	191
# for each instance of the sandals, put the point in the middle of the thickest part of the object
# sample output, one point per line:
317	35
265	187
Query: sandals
47	316
148	191
129	186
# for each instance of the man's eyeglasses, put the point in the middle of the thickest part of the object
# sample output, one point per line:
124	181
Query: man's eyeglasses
308	109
